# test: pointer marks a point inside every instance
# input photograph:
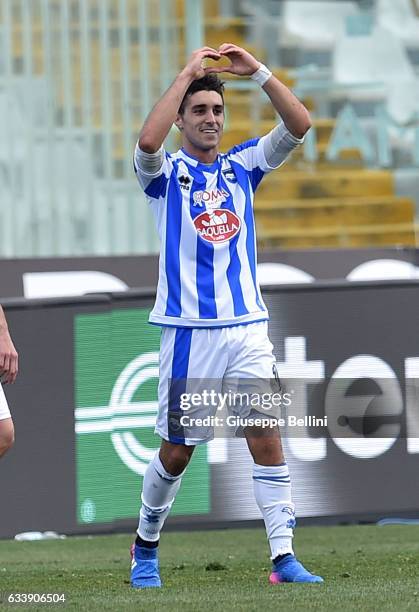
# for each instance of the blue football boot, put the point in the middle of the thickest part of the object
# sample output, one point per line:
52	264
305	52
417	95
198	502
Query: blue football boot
291	570
144	568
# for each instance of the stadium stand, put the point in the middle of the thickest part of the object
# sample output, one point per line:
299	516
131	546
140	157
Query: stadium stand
327	204
401	18
314	24
93	64
378	57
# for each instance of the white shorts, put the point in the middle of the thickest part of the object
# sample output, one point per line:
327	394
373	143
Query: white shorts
207	357
4	408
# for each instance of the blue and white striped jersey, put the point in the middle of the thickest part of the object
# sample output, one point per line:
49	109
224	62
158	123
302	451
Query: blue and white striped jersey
205	221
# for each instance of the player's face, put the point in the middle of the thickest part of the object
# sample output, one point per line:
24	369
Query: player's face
202	122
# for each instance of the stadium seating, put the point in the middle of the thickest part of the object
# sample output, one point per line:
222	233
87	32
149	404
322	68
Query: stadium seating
325	205
306	203
377	62
400	19
314	24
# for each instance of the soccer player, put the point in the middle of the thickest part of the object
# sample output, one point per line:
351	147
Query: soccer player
8	373
214	321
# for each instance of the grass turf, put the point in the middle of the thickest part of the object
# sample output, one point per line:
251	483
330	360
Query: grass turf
366	568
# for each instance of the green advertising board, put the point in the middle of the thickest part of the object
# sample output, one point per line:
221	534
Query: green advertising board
116	380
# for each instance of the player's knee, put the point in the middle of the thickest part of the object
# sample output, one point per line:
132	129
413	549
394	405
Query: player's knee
175	457
7	436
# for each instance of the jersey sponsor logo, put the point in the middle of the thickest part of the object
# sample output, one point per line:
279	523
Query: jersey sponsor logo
217	226
210	198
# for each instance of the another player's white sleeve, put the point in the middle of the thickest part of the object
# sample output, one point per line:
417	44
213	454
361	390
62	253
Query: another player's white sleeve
277	145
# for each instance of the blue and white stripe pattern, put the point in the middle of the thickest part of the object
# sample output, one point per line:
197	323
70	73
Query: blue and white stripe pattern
205	221
180	365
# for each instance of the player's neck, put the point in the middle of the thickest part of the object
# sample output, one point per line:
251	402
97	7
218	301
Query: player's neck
205	157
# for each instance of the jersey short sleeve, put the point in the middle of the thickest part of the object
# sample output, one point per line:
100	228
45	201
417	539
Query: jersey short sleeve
4	408
277	146
259	156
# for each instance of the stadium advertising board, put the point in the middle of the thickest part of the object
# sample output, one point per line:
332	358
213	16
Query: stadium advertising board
88	390
116	378
354	333
55	277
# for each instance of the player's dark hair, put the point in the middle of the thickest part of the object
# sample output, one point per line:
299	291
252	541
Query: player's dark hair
210	82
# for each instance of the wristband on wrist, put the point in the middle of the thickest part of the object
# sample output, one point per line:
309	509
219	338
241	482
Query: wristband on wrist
261	75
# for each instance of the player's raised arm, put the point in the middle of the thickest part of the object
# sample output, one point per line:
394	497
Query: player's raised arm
293	113
161	118
8	353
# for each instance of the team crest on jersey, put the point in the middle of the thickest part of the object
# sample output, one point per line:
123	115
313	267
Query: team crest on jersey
210	198
218	225
229	175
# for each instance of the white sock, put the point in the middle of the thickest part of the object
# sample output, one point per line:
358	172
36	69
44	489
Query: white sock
272	487
159	492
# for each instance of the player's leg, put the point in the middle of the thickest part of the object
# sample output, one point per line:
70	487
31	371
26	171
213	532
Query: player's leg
271	478
164	473
179	348
7	435
7	432
272	487
160	485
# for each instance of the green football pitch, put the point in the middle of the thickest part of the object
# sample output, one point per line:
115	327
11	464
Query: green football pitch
365	568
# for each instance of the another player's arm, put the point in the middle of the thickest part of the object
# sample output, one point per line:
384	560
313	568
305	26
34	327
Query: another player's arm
161	118
8	353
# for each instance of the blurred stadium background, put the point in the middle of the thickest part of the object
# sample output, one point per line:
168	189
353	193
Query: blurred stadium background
77	77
